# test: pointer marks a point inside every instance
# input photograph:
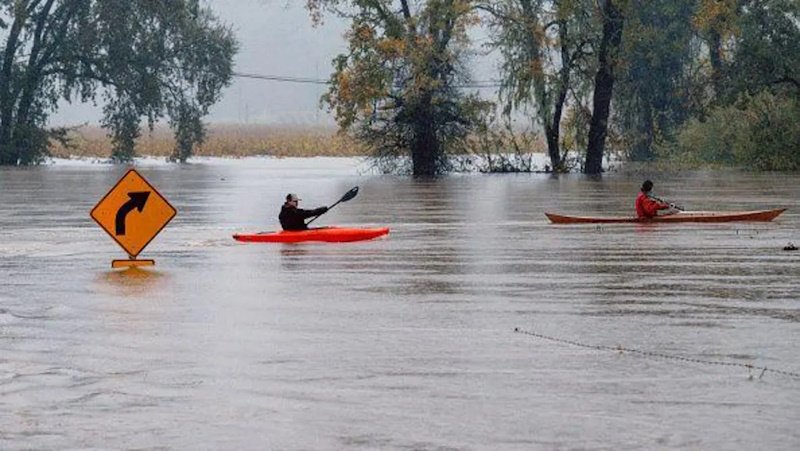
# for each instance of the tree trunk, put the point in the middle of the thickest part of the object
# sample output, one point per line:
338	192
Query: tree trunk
603	86
715	55
553	142
26	138
425	147
26	148
7	100
553	148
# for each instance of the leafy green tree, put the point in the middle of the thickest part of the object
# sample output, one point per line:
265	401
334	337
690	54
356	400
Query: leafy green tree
653	95
767	51
717	25
147	59
397	87
549	49
753	122
544	46
760	132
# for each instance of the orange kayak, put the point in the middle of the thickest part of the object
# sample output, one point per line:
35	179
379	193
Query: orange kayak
683	216
324	234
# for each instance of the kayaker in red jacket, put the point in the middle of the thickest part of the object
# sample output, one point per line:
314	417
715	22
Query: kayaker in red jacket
293	218
646	206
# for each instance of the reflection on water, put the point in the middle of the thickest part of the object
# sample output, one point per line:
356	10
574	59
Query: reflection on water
292	251
291	255
131	282
405	342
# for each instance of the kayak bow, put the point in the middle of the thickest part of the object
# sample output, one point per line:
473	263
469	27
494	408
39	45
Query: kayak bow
323	234
682	216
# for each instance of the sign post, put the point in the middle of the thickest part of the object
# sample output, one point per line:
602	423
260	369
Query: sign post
133	212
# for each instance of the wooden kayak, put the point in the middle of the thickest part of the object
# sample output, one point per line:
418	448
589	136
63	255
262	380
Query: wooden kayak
682	216
322	234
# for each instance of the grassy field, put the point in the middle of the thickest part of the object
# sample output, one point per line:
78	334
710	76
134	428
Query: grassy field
224	140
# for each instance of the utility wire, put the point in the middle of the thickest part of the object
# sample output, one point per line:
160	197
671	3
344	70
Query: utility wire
314	81
317	81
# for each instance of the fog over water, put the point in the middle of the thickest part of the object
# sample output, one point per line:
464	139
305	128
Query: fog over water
405	342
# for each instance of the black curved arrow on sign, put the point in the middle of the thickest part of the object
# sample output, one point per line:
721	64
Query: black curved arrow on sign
137	201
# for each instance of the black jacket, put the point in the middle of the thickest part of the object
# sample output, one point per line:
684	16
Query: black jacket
292	218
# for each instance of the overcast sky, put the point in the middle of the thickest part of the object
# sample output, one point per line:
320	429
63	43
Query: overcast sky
276	37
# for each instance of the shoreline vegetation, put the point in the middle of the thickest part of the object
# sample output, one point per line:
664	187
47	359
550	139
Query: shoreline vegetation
498	153
224	140
494	153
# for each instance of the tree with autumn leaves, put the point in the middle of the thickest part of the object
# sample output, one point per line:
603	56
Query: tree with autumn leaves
398	86
586	71
545	49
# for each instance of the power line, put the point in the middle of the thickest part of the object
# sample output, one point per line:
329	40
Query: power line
314	81
317	81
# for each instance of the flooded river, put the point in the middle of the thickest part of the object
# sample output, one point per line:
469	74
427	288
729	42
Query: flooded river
406	342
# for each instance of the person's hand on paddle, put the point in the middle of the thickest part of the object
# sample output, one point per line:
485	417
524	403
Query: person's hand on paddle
347	196
671	205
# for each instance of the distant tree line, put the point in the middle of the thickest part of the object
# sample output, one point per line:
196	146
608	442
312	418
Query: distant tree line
699	80
692	80
148	59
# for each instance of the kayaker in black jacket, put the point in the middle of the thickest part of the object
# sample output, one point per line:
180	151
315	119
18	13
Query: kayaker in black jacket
293	218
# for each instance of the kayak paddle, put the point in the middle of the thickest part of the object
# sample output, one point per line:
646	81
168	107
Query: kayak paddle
677	207
347	196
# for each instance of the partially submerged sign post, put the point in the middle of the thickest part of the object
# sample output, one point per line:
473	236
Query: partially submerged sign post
133	213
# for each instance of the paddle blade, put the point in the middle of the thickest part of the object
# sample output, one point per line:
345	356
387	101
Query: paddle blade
349	195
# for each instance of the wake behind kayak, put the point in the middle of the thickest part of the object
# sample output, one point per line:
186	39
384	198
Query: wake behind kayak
323	234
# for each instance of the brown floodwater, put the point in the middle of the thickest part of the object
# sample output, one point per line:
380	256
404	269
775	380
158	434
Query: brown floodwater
406	342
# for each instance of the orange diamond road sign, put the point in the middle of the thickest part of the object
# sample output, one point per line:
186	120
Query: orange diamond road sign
133	212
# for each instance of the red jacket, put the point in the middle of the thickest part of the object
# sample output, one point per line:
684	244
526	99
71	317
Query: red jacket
647	207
